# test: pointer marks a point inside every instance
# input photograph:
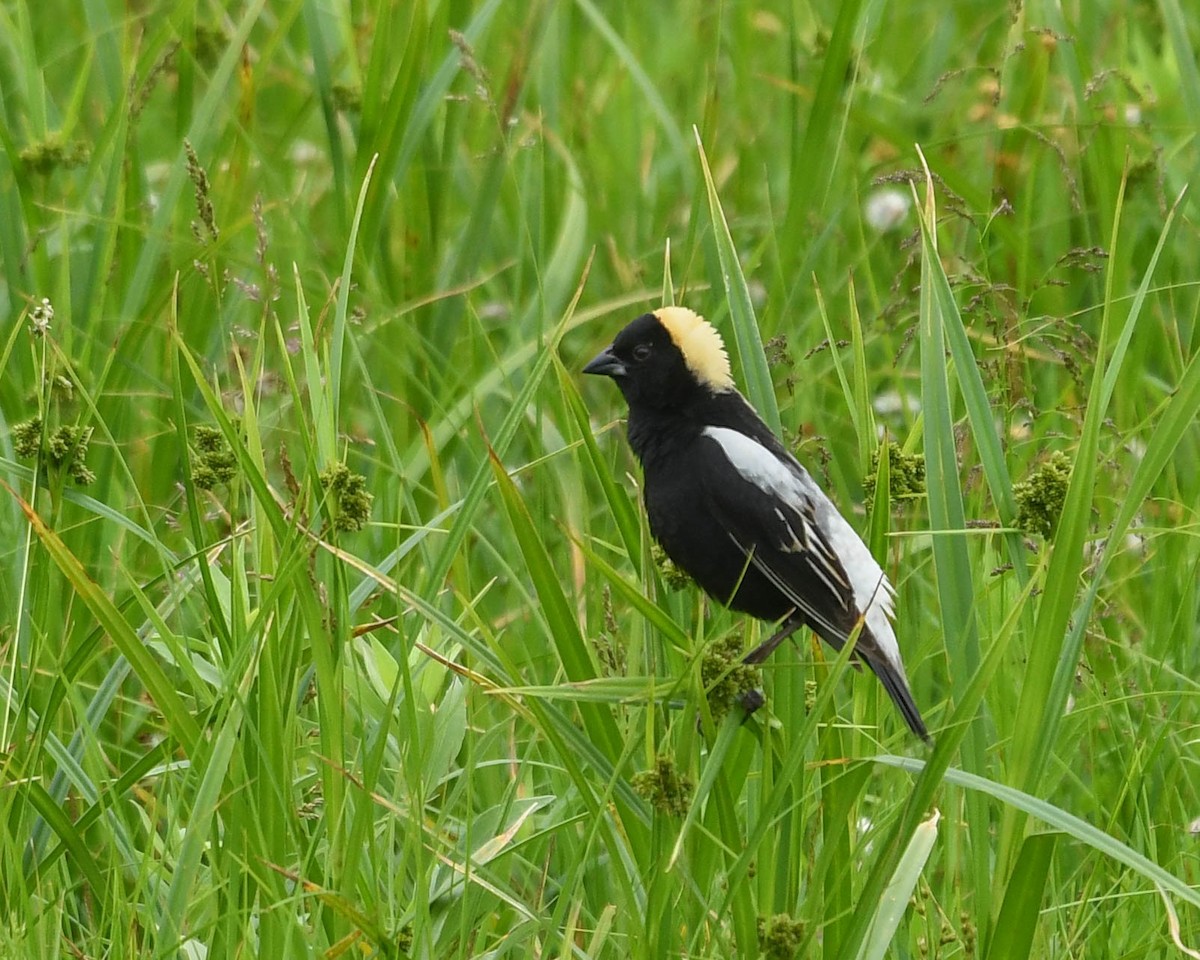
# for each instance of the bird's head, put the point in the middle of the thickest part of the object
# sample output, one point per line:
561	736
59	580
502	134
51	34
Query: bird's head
663	358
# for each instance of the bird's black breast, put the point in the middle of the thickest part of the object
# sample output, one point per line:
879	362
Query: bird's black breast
680	465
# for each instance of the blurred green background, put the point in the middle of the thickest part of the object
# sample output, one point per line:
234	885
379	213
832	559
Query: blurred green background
354	643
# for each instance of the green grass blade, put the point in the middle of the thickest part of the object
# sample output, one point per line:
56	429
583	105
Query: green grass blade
813	158
1018	919
1038	716
946	513
864	412
500	442
338	336
709	779
880	519
955	582
850	394
633	595
979	412
432	96
400	44
319	26
201	134
772	804
622	508
211	770
1068	823
159	686
321	398
70	835
560	619
899	890
756	374
654	99
1185	55
932	772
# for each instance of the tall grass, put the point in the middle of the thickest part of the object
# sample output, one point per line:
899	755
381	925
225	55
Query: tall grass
356	641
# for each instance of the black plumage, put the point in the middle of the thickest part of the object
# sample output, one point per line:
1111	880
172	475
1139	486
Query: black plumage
734	509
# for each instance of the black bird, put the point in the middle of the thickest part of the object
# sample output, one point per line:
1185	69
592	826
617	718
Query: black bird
735	510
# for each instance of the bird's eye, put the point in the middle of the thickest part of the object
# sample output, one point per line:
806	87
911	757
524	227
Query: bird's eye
641	351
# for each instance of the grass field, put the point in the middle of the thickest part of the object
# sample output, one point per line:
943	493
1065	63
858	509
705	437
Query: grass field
329	622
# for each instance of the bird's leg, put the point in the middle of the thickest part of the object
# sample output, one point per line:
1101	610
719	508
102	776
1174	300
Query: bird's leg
767	647
751	700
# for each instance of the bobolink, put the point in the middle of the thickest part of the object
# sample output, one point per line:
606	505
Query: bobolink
735	510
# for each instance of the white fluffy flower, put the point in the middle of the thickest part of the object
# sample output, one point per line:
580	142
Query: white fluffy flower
886	209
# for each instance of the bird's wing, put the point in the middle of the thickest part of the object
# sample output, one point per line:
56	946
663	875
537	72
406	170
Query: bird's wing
790	531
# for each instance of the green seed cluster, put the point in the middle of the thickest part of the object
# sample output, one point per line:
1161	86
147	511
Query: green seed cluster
54	153
673	577
216	462
780	936
65	449
664	787
27	438
210	42
725	676
1040	497
906	474
347	98
349	501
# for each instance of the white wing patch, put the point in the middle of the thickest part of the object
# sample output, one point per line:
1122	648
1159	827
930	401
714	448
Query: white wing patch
759	465
824	533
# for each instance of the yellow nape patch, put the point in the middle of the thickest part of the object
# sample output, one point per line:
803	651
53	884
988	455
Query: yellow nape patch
702	348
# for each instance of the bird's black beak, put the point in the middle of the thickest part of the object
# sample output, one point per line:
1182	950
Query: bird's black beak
606	364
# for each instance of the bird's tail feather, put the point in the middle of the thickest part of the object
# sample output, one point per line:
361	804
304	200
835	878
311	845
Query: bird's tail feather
893	680
897	688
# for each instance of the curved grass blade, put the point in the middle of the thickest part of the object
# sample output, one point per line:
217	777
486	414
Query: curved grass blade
1056	817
